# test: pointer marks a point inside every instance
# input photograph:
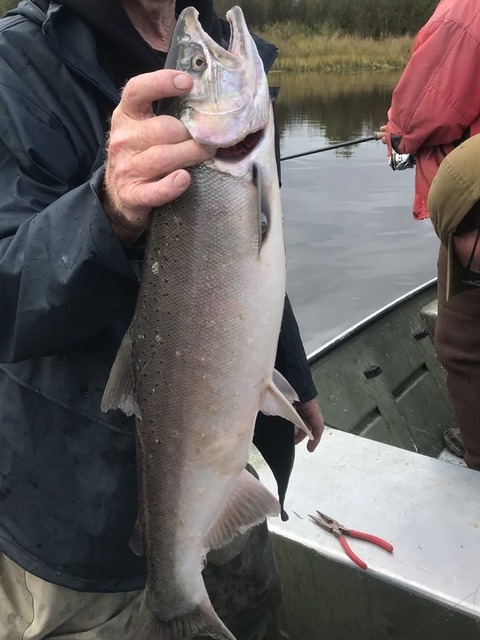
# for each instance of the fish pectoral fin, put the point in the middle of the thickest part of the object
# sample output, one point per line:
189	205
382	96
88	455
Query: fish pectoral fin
136	542
120	390
284	387
263	206
249	504
275	403
201	621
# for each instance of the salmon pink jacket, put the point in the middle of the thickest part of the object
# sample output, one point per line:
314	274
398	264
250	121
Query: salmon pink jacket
436	103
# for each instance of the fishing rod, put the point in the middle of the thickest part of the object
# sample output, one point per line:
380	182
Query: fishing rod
378	135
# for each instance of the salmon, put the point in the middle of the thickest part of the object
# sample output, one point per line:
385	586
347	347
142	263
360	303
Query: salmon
197	363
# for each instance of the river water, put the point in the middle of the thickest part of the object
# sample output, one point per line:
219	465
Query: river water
352	243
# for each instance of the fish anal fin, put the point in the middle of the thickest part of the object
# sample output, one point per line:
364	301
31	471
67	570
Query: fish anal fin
120	390
201	621
249	504
276	404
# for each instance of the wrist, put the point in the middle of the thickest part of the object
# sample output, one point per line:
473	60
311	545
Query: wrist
126	231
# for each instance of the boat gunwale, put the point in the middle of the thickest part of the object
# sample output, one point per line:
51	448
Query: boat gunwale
367	321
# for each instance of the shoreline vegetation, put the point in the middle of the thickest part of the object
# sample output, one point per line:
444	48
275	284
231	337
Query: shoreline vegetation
336	35
312	46
303	49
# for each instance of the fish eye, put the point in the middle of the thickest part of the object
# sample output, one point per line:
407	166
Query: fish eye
198	62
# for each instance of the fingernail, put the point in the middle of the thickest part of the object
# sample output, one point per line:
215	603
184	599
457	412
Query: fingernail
182	81
180	181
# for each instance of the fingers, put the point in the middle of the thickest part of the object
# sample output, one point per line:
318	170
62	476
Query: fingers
147	155
158	160
382	133
158	192
129	227
139	135
310	414
142	91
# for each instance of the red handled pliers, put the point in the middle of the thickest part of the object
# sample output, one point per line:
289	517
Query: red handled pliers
339	531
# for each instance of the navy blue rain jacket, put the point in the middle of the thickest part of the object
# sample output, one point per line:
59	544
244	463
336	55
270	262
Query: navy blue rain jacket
67	293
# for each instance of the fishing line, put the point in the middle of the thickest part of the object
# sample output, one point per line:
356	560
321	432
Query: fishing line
451	609
338	145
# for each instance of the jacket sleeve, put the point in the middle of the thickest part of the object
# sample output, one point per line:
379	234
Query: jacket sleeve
291	358
436	99
63	275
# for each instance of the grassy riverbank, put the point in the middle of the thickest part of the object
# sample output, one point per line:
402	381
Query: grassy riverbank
303	49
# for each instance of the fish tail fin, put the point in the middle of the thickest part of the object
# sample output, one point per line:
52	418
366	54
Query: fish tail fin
200	621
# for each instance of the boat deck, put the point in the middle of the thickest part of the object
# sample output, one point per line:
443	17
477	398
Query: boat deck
428	509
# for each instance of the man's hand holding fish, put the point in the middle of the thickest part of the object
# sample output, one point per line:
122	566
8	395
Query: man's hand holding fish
147	154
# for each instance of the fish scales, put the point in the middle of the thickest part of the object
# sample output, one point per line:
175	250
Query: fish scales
189	342
197	363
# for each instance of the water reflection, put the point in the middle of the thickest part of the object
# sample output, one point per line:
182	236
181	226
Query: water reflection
352	245
342	106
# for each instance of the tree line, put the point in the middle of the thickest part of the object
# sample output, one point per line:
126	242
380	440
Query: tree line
367	18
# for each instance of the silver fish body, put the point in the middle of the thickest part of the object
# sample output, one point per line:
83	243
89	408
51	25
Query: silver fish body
197	363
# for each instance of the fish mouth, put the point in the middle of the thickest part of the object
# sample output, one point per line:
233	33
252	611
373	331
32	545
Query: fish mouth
240	149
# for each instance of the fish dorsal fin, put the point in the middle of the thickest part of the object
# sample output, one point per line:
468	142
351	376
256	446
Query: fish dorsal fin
249	504
120	390
276	403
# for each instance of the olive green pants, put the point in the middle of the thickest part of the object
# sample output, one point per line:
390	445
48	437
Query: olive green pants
243	585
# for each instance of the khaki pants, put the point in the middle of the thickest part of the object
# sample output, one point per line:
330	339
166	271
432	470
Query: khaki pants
31	609
244	589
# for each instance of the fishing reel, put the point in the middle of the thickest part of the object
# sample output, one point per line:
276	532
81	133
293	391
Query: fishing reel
401	161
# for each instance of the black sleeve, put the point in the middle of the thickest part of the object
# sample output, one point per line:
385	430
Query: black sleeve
291	359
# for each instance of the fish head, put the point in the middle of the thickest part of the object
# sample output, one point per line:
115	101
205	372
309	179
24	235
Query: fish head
229	101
